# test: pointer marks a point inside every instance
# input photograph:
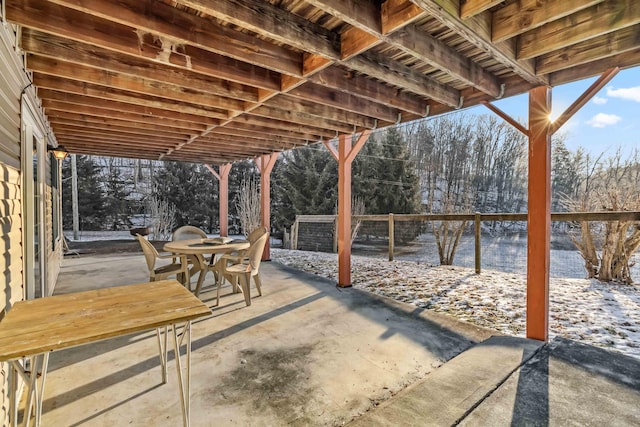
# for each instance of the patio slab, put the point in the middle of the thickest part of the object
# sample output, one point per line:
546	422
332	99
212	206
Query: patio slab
309	353
305	353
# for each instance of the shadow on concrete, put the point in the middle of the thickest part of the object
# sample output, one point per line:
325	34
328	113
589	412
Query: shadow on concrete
441	335
568	380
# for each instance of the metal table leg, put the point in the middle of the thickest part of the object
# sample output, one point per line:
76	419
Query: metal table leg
184	383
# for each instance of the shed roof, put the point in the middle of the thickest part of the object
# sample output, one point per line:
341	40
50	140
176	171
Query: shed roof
214	81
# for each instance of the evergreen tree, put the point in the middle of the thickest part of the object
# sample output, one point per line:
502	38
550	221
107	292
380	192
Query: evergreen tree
116	190
91	210
384	175
306	180
305	183
565	174
193	190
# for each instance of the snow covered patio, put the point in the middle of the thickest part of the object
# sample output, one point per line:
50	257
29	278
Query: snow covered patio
309	353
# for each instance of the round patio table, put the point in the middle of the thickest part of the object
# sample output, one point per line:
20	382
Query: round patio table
204	247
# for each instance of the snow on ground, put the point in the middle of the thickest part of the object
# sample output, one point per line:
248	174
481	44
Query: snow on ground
600	314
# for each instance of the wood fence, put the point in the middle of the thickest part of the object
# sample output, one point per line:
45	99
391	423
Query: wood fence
477	218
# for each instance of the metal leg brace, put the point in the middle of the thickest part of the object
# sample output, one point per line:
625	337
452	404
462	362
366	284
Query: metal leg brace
35	394
162	347
186	382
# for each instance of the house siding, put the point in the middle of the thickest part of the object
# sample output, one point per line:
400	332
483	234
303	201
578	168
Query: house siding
10	192
13	80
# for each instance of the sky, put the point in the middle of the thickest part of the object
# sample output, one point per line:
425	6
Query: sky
610	120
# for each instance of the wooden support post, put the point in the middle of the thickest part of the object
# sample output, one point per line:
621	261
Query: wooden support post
74	196
345	155
392	238
478	242
294	234
539	211
223	196
539	215
265	165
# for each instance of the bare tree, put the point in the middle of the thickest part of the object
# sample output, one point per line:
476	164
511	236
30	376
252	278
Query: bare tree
163	218
444	147
357	208
609	185
248	206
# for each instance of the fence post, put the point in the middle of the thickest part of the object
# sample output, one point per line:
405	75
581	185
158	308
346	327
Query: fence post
294	235
477	233
392	238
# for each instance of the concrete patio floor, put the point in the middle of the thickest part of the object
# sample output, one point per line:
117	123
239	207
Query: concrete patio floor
308	353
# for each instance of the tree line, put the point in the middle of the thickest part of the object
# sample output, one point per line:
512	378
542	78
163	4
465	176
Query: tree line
452	163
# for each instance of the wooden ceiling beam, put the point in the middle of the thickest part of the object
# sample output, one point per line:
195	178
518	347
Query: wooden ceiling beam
72	132
227	131
244	142
222	148
410	40
469	8
359	13
603	18
525	15
372	90
266	131
55	47
398	13
63	117
172	26
302	118
229	147
127	42
477	31
43	81
108	151
81	73
594	68
134	130
282	124
432	51
345	101
130	145
273	22
120	115
393	72
590	50
80	100
323	113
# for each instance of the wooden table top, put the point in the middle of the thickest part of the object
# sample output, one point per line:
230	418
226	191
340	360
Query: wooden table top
196	246
52	323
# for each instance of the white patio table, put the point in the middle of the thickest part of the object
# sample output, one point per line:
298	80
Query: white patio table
204	247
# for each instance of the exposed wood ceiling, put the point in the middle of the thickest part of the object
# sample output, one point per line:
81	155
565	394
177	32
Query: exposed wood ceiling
214	81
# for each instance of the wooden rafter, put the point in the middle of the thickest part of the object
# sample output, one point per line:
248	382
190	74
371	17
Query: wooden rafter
477	31
595	21
524	15
469	8
196	77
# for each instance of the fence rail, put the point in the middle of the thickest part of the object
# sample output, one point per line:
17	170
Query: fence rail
476	218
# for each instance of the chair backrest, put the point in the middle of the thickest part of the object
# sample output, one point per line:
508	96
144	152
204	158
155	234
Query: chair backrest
150	252
188	232
253	236
254	253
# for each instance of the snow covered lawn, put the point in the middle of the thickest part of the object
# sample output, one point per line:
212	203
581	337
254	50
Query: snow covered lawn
603	315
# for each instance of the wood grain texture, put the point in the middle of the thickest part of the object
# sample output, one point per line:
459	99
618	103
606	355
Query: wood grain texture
52	323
